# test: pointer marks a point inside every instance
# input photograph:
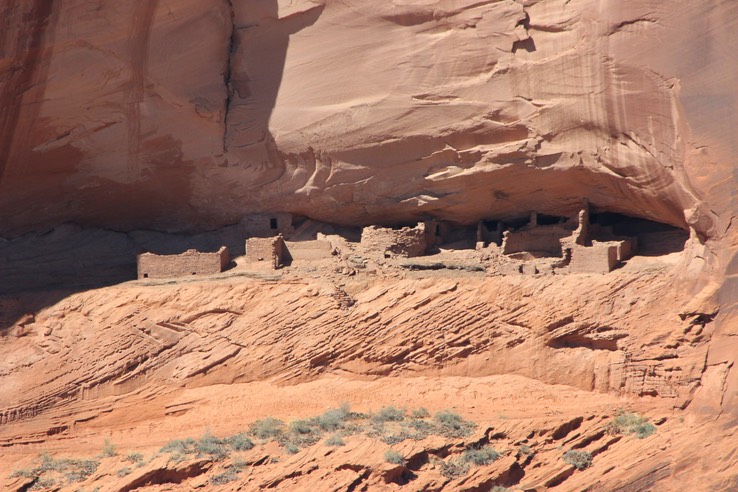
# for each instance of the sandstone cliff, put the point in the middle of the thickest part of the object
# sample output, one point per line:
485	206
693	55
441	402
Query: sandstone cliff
185	115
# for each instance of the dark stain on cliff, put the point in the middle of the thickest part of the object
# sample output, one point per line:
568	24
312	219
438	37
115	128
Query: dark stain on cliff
142	20
24	29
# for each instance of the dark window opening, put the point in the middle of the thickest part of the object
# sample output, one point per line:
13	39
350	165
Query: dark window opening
550	219
194	273
146	275
273	223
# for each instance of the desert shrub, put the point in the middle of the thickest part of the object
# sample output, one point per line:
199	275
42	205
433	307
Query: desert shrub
109	449
392	439
499	488
44	483
335	440
211	446
394	457
454	468
75	470
230	475
268	428
240	442
134	458
334	419
481	456
291	448
24	473
420	413
420	429
180	446
525	450
631	423
301	427
578	459
451	424
389	414
124	471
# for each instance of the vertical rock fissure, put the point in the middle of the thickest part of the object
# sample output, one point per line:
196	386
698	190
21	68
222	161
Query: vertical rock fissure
227	73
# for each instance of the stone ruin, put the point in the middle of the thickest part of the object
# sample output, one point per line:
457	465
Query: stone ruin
543	245
266	253
406	242
191	262
567	244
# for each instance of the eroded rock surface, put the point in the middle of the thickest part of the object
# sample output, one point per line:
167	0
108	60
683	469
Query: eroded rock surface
188	114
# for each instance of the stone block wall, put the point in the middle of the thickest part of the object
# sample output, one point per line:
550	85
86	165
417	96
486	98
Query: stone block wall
267	252
308	250
598	258
545	239
191	262
267	225
407	242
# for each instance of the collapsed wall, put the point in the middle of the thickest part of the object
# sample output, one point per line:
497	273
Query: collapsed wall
191	262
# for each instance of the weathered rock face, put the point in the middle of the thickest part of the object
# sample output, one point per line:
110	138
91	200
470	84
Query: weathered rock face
185	114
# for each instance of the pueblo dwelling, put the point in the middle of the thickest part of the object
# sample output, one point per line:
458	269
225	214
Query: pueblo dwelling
539	244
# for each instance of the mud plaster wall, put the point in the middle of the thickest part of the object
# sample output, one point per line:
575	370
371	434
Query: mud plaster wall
191	262
408	242
268	251
598	258
308	250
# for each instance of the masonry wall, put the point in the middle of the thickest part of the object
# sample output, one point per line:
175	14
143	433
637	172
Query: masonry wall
598	258
540	238
265	252
191	262
408	242
267	225
308	250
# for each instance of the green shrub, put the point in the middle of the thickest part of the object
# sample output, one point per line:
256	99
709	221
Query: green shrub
80	470
291	448
44	483
452	425
211	446
420	413
301	427
240	442
180	446
109	449
421	429
394	457
454	468
631	423
335	440
525	450
578	459
134	458
481	456
268	428
124	471
392	439
332	420
227	476
389	414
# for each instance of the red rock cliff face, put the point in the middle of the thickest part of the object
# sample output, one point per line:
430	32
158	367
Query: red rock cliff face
189	113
